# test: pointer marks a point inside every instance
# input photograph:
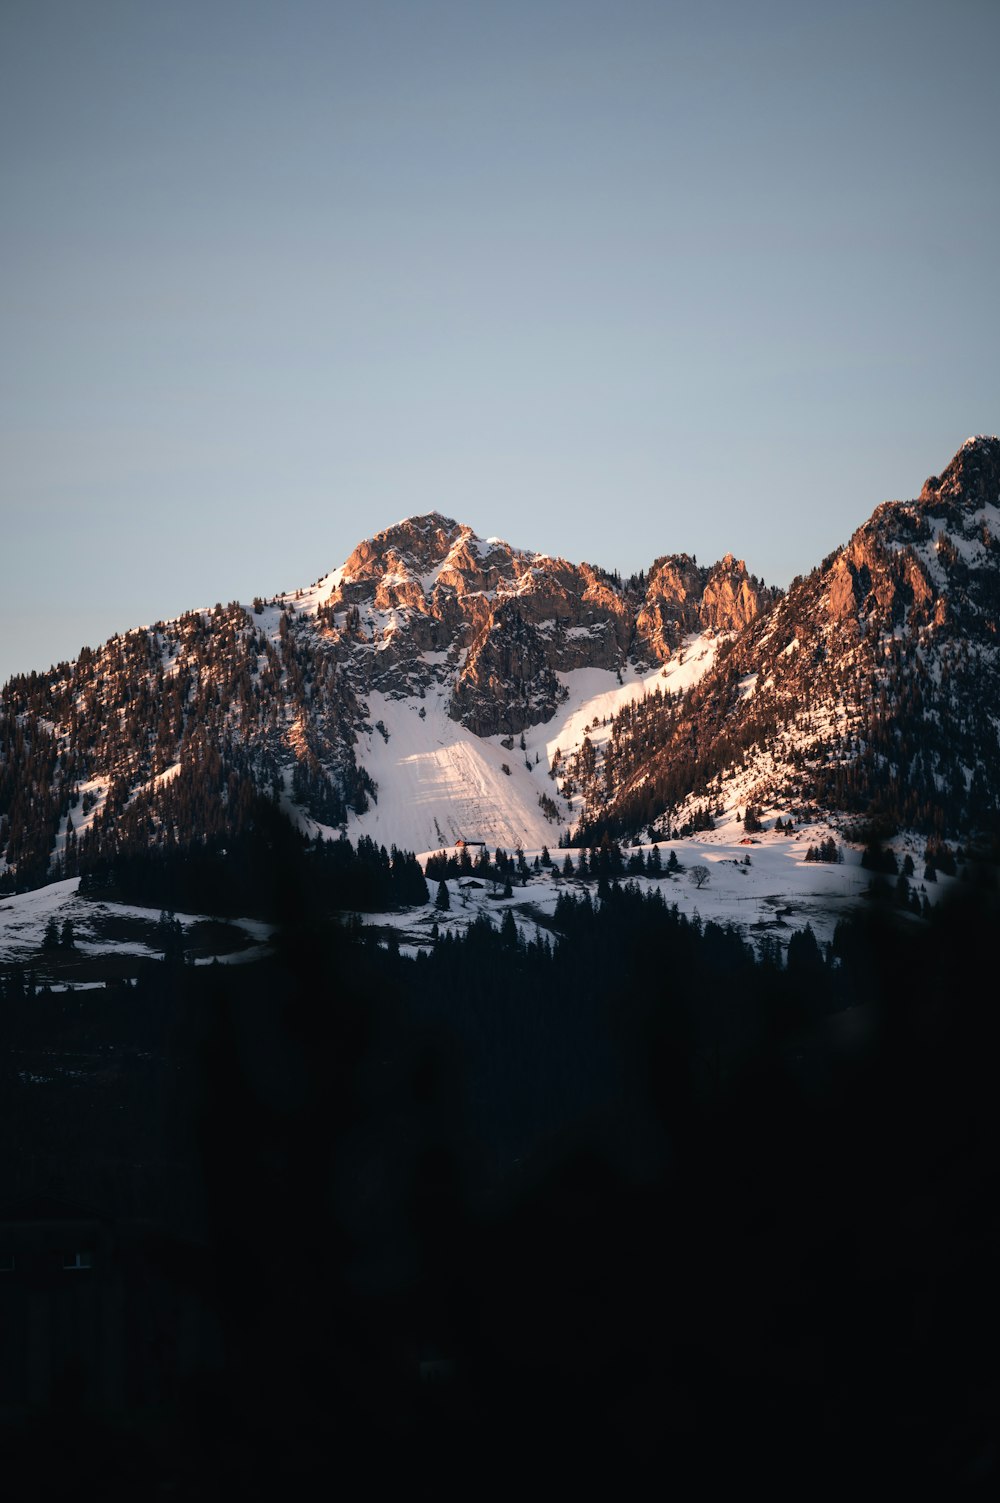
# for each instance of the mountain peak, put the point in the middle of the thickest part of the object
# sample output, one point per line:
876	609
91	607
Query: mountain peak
973	476
416	543
425	521
430	528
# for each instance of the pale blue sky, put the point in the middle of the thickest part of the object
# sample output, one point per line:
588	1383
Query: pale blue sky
610	280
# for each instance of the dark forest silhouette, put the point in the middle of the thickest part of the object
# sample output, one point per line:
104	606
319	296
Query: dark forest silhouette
631	1194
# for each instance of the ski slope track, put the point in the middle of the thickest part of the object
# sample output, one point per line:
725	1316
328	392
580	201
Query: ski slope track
439	783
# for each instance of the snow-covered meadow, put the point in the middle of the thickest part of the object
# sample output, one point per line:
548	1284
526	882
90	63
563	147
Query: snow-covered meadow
106	929
775	892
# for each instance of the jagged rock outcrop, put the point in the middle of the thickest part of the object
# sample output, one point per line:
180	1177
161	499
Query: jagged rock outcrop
682	597
731	597
971	480
869	582
914	562
509	622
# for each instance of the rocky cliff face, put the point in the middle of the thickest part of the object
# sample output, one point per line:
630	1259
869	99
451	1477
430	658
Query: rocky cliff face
914	564
681	598
431	601
872	687
971	481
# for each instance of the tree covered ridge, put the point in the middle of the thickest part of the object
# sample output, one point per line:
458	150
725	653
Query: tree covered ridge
165	739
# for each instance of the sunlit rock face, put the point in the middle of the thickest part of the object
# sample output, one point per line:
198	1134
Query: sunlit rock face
872	687
731	599
682	597
971	480
509	621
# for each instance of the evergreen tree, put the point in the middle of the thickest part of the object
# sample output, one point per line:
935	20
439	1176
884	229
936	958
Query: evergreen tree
804	954
508	931
442	901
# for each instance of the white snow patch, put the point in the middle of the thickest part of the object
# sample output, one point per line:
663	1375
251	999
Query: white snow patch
24	916
438	782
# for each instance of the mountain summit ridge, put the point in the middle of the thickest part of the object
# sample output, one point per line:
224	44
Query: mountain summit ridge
973	475
871	688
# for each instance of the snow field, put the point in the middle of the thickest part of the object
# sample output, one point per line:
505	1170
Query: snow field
438	782
24	916
778	894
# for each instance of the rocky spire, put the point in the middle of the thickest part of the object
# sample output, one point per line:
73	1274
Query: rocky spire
971	479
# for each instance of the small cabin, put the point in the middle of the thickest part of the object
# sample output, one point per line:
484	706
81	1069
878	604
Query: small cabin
470	845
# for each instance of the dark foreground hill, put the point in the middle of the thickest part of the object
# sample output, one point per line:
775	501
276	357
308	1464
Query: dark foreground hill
637	1202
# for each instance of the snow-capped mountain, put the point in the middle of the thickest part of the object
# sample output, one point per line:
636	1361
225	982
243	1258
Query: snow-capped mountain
386	698
439	685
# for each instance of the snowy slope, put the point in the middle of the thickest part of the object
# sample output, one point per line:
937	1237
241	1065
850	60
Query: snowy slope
106	928
438	782
776	895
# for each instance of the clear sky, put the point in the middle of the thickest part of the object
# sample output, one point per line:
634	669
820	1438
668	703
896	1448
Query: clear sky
606	279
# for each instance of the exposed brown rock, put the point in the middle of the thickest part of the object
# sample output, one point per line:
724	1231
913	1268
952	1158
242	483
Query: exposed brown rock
972	477
843	597
730	599
513	620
